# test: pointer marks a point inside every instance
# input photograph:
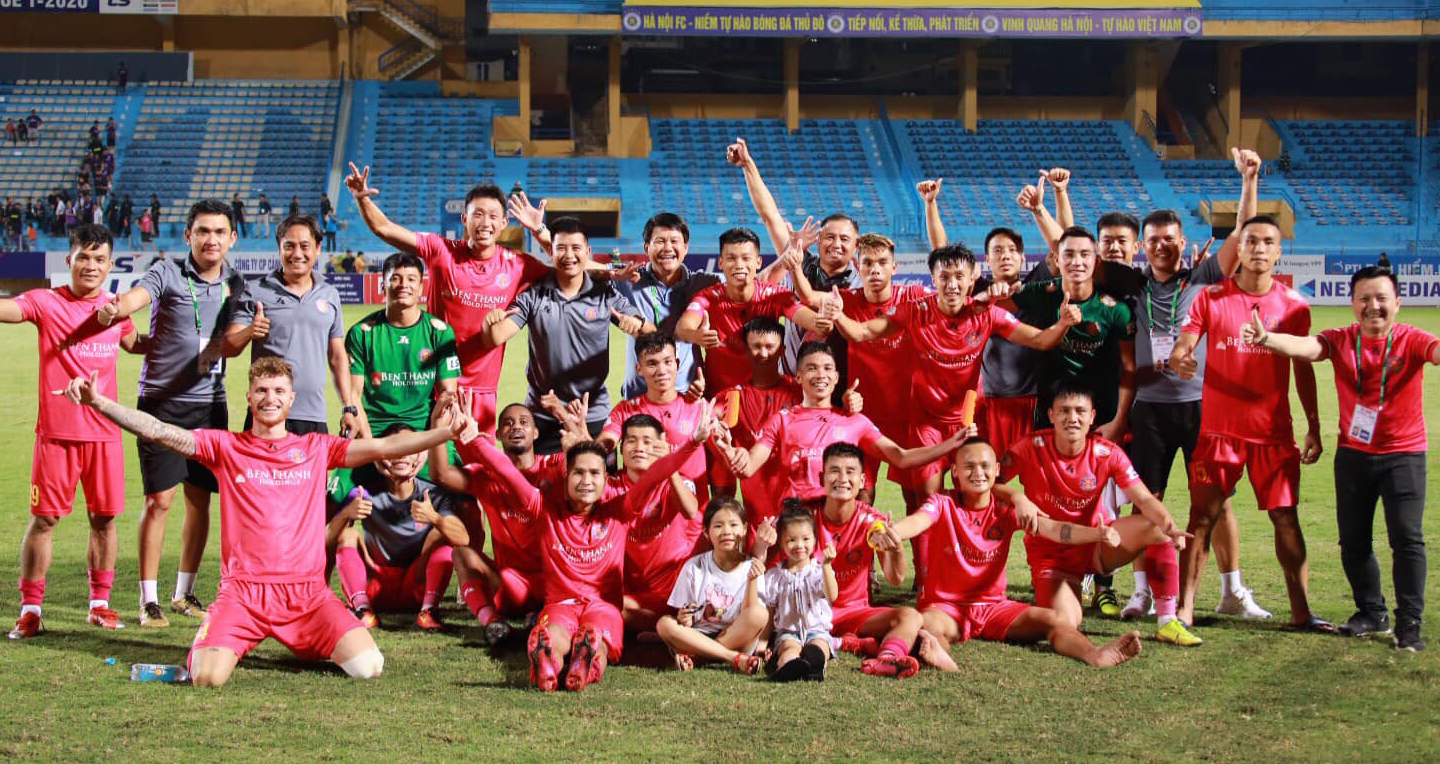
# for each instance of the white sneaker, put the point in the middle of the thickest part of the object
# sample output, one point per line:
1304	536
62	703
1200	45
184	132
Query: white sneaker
1087	586
1140	604
1241	603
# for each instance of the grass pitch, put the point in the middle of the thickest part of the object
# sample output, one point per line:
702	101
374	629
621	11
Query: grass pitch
1250	693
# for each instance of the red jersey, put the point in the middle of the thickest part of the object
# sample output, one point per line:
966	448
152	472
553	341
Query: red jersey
1247	387
272	502
515	531
763	490
679	417
853	556
797	437
885	366
661	539
1400	425
73	343
729	364
948	353
463	289
1066	488
967	550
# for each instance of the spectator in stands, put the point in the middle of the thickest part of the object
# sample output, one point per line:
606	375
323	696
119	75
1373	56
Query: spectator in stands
14	223
127	215
97	215
33	122
122	76
360	265
95	132
109	164
112	216
237	209
326	208
111	129
262	220
35	213
57	220
22	131
1283	162
70	217
1383	262
147	231
295	205
10	129
155	212
330	230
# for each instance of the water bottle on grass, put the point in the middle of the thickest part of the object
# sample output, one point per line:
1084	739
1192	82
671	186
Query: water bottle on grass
158	672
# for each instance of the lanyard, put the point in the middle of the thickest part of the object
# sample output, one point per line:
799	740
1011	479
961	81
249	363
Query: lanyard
194	301
1384	365
1174	304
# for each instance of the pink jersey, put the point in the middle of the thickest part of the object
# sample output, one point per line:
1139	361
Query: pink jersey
514	533
761	491
272	502
948	352
679	417
1066	488
546	471
729	364
73	343
853	556
885	366
661	539
1247	388
463	289
797	437
967	549
1400	425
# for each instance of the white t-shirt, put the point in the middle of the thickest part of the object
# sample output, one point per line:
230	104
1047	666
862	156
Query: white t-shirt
797	600
715	595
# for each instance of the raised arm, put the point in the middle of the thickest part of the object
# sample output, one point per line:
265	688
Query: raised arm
1059	177
387	231
907	458
694	327
929	191
82	391
1032	200
738	154
532	218
1308	349
1248	164
122	306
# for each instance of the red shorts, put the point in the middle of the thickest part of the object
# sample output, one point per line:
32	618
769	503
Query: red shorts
989	620
402	589
1274	468
520	591
57	465
306	617
483	409
572	615
929	432
655	602
897	430
1006	421
849	620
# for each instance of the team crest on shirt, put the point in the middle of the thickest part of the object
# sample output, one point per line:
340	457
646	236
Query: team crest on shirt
1102	449
322	306
295	455
1087	483
1215	288
502	280
890	311
425	354
590	314
974	339
376	378
1107	300
1039	440
994	534
598	531
239	478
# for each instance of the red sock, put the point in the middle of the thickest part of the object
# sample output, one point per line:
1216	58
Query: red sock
100	583
437	575
894	646
1162	570
477	597
352	576
32	592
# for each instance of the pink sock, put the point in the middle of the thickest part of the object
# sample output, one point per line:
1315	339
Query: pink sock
477	598
1162	570
100	583
919	549
437	575
894	646
352	576
32	592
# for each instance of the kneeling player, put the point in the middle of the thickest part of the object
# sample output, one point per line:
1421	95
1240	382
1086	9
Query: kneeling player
272	516
964	598
410	532
1064	472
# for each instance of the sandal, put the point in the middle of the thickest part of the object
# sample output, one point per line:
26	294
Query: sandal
1315	625
746	663
683	662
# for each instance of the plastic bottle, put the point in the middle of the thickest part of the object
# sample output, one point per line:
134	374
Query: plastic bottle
158	672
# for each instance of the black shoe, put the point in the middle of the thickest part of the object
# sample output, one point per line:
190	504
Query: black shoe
1407	637
813	655
1363	625
795	670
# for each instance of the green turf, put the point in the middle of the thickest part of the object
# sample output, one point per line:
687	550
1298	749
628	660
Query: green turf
1250	693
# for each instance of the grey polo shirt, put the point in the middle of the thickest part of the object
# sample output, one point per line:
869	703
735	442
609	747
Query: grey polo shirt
391	535
301	327
1008	369
569	341
188	317
1160	307
663	306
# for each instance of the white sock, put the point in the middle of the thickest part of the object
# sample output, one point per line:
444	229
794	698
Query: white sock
1161	620
147	592
99	603
184	584
1142	581
1230	582
29	609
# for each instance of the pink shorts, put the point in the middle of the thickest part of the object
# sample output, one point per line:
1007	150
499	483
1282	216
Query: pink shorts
395	589
990	620
483	409
849	620
306	617
520	591
603	617
897	430
1274	468
927	431
1006	421
57	465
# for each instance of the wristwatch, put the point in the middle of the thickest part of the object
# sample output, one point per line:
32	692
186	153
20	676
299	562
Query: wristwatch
350	410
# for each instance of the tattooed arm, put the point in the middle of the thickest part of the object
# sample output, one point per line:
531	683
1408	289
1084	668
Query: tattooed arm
82	392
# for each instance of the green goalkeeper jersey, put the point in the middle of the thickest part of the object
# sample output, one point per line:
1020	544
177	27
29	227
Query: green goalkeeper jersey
401	367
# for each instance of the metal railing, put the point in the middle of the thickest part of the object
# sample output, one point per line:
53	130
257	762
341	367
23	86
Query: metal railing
429	18
399	54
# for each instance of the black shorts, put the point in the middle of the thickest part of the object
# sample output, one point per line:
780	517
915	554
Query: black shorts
162	469
294	426
1157	431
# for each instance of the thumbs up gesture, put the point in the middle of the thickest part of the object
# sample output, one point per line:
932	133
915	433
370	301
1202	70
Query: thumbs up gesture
696	390
1032	197
708	337
1069	313
109	311
422	510
1254	332
631	325
1182	361
260	327
854	401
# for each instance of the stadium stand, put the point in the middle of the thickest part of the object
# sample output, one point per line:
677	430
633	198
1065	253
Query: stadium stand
215	138
1353	172
68	108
